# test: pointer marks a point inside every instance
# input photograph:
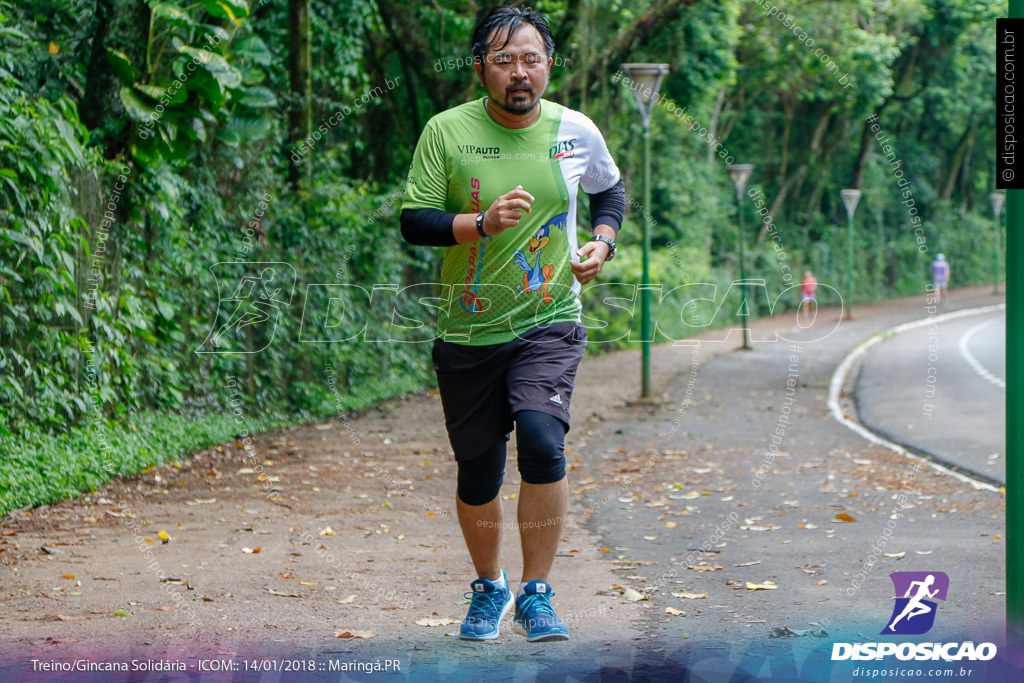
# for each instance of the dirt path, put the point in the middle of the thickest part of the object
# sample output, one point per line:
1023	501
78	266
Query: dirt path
342	526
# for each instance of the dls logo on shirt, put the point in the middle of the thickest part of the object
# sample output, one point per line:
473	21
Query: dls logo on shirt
914	611
562	149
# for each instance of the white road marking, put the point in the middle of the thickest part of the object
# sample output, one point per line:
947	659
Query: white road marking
965	351
839	379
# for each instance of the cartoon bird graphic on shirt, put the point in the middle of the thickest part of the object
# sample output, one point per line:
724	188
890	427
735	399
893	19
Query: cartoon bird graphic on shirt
537	276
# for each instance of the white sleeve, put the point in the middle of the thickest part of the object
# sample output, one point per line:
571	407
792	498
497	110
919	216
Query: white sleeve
601	172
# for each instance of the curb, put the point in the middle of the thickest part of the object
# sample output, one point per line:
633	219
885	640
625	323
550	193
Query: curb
842	372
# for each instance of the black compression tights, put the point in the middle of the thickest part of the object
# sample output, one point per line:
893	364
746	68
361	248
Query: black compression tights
541	439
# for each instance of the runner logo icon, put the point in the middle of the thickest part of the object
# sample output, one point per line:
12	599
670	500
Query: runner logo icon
914	611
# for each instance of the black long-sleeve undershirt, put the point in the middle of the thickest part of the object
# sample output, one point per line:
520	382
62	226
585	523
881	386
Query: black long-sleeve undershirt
434	227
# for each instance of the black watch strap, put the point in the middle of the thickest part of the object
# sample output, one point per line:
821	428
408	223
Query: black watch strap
480	224
607	240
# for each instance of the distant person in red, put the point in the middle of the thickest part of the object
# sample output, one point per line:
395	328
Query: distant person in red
808	287
940	276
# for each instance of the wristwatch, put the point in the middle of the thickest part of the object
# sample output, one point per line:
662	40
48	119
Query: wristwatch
611	245
480	224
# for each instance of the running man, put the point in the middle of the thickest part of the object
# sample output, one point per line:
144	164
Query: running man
808	288
940	277
496	182
915	606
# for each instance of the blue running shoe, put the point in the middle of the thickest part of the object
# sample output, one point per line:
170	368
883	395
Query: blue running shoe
534	616
488	606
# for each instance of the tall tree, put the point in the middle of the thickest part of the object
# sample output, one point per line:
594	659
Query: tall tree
120	25
300	75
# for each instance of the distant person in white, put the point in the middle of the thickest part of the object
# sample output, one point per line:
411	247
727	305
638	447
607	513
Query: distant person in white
915	606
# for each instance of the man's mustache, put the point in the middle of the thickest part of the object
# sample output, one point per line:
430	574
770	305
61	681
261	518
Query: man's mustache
524	85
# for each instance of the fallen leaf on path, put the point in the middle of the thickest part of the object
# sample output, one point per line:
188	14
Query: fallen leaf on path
823	582
675	612
895	556
104	578
634	595
435	622
747	564
326	426
307	583
924	552
807	526
164	536
690	596
201	501
766	586
161	609
348	599
120	514
843	517
67	576
252	551
340	633
122	613
283	594
705	567
671	525
327	531
760	527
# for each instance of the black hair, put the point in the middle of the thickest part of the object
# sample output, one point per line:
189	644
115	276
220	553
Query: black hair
509	20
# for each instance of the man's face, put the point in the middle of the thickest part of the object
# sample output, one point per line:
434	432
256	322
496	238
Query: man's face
516	75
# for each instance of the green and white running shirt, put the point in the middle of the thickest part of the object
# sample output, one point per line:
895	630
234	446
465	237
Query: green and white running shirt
500	286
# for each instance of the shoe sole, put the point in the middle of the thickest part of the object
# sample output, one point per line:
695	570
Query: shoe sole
497	626
543	638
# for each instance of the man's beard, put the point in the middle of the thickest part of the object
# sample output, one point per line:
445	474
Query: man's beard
524	106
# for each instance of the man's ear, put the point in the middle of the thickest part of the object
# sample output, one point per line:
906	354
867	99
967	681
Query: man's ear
479	67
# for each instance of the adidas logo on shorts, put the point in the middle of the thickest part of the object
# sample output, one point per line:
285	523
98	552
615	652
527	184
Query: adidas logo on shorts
556	399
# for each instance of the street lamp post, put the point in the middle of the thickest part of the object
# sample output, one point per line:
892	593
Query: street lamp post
997	200
739	174
850	199
645	80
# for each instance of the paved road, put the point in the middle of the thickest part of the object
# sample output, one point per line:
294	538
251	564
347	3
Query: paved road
808	527
940	390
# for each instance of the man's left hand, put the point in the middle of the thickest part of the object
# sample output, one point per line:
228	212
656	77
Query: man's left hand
592	256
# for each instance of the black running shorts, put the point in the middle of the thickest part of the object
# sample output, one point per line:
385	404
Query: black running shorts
482	387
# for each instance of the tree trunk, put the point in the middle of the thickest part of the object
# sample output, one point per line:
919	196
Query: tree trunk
121	25
966	141
798	175
788	106
713	124
300	60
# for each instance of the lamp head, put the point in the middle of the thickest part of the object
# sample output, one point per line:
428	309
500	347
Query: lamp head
850	199
645	81
997	199
739	174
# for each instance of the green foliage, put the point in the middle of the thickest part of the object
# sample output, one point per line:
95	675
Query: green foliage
103	310
54	467
203	74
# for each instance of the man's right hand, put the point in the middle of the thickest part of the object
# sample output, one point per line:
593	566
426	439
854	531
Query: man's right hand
507	210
